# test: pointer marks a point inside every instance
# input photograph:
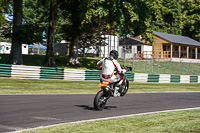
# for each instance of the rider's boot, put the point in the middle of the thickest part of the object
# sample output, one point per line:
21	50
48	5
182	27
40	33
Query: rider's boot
116	92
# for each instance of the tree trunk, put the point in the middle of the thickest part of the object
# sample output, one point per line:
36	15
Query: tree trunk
83	51
16	49
99	52
49	58
73	56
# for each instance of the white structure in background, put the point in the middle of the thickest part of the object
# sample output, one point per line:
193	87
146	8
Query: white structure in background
5	48
112	43
91	50
134	47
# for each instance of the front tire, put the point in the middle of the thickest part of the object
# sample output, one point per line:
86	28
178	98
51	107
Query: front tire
125	86
100	100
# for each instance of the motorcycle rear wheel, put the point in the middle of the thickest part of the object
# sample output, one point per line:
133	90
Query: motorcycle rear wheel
100	100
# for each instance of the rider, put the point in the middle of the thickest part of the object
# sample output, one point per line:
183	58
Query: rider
108	67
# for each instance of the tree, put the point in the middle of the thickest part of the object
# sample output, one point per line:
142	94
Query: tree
16	49
82	19
49	58
190	23
35	21
74	13
5	26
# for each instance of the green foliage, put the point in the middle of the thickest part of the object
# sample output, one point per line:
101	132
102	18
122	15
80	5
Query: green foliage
191	18
180	17
5	7
5	26
35	21
90	19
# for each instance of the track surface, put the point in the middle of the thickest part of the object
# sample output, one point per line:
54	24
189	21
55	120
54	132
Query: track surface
19	112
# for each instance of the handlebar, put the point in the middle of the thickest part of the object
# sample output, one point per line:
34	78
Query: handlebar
127	68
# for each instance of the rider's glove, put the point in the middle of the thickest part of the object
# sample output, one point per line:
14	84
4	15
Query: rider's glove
123	71
128	69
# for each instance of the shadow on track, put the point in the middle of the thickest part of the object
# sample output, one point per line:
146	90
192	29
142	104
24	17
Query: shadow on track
86	107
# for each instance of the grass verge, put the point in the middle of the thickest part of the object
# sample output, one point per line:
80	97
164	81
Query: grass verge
43	86
172	122
141	66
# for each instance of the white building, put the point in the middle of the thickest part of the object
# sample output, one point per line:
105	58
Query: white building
111	43
5	48
133	47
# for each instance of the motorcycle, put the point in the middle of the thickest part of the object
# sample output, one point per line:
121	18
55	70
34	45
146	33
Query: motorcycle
109	90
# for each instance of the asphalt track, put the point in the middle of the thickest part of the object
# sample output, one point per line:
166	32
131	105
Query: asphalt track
18	112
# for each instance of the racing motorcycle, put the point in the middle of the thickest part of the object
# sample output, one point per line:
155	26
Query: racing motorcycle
109	90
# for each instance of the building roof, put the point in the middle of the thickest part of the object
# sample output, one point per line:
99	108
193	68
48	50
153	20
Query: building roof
130	41
177	39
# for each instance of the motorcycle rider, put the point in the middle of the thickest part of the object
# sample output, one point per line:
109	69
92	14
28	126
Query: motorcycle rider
108	67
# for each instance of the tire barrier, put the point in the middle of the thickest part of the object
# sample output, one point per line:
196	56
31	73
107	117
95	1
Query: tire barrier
36	72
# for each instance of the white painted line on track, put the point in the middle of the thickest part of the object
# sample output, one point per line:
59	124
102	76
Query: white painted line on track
45	118
10	127
46	94
165	92
106	118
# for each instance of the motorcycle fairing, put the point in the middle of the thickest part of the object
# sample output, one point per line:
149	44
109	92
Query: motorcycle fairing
102	84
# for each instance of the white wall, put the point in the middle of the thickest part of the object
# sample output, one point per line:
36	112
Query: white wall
5	48
24	48
147	51
128	55
146	48
113	43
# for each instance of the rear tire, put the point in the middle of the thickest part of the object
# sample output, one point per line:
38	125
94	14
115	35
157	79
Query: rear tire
100	100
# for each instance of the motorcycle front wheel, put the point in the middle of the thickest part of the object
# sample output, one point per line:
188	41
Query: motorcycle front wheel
125	86
100	100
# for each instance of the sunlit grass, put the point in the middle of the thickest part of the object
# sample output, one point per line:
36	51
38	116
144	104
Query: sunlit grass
170	122
141	66
43	86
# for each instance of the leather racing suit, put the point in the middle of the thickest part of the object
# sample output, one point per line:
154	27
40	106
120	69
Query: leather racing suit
108	67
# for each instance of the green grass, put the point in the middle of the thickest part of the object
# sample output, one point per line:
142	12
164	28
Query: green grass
168	122
89	63
43	86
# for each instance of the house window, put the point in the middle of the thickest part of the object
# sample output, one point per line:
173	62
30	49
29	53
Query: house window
164	47
176	48
128	49
169	48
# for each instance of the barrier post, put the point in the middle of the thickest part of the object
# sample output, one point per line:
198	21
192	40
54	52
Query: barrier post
124	57
197	68
151	65
170	66
189	69
180	68
158	65
133	65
